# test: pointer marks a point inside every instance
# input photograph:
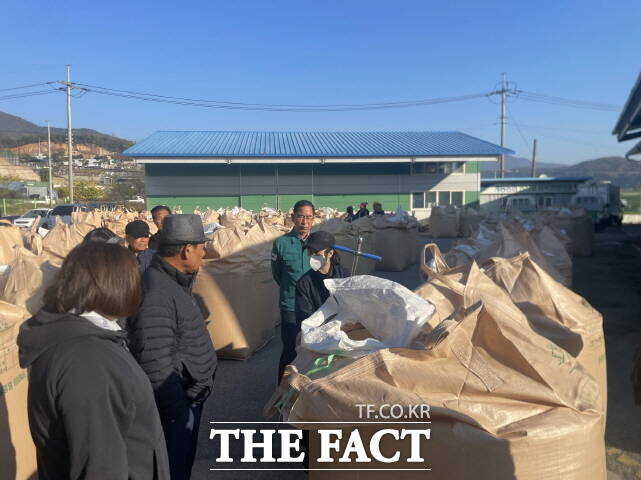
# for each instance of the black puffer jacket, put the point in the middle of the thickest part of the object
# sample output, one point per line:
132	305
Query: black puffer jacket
169	339
91	407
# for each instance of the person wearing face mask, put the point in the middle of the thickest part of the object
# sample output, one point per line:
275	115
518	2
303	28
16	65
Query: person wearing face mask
311	291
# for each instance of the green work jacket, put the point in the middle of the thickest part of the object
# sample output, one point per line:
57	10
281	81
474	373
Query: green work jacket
289	262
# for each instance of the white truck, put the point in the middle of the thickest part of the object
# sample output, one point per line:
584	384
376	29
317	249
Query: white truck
602	201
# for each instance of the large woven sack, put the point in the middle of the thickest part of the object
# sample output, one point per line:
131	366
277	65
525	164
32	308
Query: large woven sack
470	221
26	279
512	243
544	322
93	218
556	254
242	249
576	224
444	222
17	450
10	238
547	304
395	241
62	238
271	216
31	239
236	217
241	308
210	216
513	401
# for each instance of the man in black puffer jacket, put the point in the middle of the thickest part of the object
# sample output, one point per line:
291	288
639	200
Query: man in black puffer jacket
169	339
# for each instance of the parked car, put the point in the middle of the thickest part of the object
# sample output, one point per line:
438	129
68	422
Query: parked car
64	212
10	218
26	220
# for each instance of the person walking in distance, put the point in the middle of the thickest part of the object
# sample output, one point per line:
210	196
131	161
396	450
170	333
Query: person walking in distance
158	213
362	210
169	339
290	260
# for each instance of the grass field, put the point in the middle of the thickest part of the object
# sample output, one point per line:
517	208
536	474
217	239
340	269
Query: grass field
633	200
18	206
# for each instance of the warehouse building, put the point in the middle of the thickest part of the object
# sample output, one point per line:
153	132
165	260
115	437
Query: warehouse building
528	193
413	170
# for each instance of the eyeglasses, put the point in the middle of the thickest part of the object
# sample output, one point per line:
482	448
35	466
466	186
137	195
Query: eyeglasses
306	217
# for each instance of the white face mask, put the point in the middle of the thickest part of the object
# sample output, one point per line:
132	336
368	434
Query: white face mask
317	262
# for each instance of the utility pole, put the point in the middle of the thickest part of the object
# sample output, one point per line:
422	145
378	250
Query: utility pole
534	158
69	138
50	167
503	93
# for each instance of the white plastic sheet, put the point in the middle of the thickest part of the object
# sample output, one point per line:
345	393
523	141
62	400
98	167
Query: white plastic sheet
392	314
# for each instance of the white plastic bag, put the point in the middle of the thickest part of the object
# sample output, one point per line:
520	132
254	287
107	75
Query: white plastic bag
392	314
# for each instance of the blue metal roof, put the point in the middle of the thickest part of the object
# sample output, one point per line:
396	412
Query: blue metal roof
312	144
489	181
629	123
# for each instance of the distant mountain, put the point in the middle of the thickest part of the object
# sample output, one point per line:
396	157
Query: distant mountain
618	170
516	167
16	131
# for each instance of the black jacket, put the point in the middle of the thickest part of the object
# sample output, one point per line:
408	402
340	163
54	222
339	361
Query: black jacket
311	292
169	339
91	407
144	260
154	241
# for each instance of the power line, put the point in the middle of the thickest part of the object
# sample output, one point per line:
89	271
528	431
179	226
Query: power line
566	102
94	88
275	108
518	129
23	86
574	130
27	94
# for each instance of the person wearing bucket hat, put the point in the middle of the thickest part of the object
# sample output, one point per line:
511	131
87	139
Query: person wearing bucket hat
169	338
137	236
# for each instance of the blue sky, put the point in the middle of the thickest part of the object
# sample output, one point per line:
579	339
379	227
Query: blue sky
330	52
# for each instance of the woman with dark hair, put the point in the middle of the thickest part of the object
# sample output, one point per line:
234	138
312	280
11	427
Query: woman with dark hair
324	261
91	408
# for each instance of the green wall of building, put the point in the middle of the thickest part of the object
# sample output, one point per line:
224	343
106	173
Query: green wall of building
472	199
472	167
234	174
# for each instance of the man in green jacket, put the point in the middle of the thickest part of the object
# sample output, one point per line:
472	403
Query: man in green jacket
290	260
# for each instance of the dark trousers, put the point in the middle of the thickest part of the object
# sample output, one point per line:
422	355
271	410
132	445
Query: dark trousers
181	436
288	332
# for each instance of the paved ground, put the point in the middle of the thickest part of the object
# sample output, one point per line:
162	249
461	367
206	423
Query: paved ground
610	280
